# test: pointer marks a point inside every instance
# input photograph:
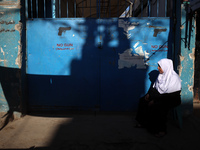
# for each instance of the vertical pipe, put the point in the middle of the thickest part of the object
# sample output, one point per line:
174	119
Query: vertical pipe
157	7
130	9
37	8
26	6
174	32
53	3
109	10
44	9
133	15
186	26
142	9
149	9
99	8
74	8
31	9
59	9
90	8
82	9
165	8
104	9
126	10
67	8
118	8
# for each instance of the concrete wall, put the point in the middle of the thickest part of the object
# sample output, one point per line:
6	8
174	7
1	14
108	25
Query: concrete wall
187	56
10	55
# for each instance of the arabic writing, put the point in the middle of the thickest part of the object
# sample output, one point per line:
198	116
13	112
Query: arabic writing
7	23
7	30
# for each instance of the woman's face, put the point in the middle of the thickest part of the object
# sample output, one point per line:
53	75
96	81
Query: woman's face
160	69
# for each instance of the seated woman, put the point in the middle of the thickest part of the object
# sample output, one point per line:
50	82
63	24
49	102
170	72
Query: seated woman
164	95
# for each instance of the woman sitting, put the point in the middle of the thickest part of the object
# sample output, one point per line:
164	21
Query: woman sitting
164	95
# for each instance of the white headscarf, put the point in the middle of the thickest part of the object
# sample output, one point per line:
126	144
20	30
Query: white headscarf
168	81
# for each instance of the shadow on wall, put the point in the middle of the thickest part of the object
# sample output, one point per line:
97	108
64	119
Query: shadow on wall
10	99
153	76
94	81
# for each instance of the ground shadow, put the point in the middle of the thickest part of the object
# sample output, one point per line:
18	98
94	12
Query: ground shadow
11	85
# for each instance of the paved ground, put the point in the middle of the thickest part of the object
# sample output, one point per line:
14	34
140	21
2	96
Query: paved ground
96	132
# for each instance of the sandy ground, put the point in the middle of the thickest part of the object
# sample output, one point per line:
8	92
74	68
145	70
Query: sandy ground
96	132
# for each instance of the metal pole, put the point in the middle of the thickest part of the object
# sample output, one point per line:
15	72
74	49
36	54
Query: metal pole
126	10
142	9
90	8
109	10
53	8
37	8
44	9
149	9
75	8
133	15
99	8
26	5
82	9
157	7
165	8
59	9
104	10
31	10
67	8
118	8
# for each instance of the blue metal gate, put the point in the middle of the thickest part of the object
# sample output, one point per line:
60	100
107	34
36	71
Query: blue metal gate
90	64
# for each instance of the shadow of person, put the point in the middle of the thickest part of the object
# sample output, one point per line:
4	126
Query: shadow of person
153	76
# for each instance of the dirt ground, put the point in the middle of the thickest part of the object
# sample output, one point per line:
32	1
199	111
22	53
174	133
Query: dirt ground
95	131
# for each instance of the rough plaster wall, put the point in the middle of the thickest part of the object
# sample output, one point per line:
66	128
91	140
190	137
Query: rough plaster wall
10	55
18	60
186	68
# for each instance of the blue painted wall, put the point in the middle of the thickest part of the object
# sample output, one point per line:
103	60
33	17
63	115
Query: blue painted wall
89	64
10	55
186	68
